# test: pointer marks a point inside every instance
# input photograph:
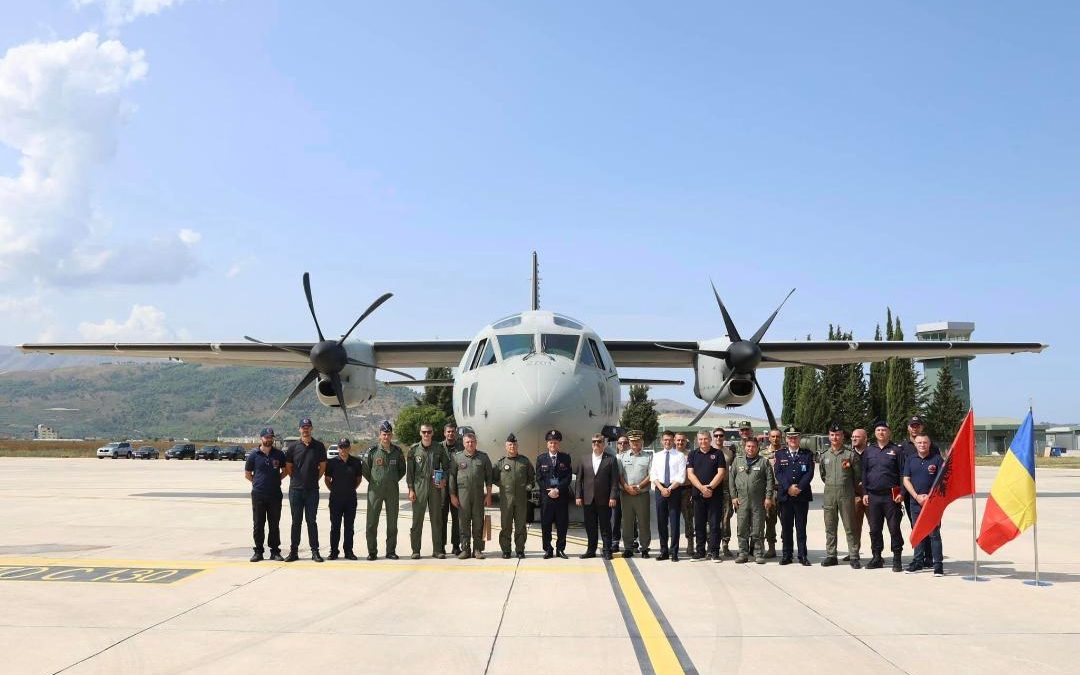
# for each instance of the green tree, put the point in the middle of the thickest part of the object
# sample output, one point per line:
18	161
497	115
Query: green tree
640	413
407	424
791	392
902	400
855	401
440	397
811	408
879	375
946	409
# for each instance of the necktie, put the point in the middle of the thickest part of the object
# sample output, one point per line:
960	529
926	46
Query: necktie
667	468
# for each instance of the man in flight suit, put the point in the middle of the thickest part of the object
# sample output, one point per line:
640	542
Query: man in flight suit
384	467
427	475
470	492
752	488
451	445
515	476
775	445
841	471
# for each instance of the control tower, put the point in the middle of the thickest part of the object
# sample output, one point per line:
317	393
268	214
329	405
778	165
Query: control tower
948	331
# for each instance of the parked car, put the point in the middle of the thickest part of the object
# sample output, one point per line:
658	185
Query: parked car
207	452
145	452
181	451
332	451
114	450
232	452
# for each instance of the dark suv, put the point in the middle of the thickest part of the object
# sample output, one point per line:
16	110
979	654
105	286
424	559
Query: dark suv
181	451
207	452
145	452
232	452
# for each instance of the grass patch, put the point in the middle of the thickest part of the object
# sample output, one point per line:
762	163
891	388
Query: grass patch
1040	462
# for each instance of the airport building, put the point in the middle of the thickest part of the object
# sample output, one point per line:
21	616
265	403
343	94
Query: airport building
948	331
45	433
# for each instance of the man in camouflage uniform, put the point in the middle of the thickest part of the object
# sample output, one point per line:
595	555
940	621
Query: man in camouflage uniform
470	492
772	513
384	467
515	476
752	485
427	475
636	501
841	471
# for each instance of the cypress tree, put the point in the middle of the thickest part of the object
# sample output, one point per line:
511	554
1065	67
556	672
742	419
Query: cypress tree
440	397
901	389
812	409
791	392
879	374
640	413
946	409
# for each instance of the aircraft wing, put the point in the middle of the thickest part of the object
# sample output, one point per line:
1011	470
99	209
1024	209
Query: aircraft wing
646	354
419	354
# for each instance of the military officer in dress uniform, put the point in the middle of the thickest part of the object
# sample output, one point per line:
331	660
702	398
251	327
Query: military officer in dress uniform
752	488
634	481
794	471
515	477
384	467
427	475
470	492
775	445
553	475
841	471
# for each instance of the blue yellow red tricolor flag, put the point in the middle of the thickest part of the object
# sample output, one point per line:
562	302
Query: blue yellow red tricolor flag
1010	508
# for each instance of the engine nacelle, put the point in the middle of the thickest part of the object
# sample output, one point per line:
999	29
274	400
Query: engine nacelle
710	373
357	382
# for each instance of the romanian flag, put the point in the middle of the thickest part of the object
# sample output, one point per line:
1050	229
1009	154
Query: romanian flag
956	479
1010	509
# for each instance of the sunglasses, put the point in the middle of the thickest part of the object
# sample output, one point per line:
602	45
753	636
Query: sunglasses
596	441
425	432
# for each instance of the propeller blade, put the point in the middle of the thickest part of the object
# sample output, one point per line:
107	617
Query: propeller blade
335	380
704	352
284	348
773	359
732	331
304	383
311	304
765	401
375	305
389	370
713	401
765	326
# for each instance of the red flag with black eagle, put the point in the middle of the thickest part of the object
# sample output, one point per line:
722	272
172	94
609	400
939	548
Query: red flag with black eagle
956	479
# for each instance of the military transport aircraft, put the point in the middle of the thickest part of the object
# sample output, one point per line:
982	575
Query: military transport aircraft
537	370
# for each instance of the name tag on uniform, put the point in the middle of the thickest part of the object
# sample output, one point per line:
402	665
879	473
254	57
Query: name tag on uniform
802	467
756	468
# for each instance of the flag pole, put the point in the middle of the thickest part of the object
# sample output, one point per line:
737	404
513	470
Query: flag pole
974	534
1035	536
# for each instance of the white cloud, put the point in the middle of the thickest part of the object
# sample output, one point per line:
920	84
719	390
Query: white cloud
61	105
119	12
145	322
190	237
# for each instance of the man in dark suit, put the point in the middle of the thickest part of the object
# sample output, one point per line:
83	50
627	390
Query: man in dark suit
553	479
597	486
794	471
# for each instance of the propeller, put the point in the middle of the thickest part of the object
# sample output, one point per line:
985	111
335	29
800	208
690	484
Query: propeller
328	357
742	357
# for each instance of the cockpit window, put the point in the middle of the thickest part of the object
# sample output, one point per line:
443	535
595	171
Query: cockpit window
596	353
559	345
483	356
587	357
567	322
508	322
515	344
488	356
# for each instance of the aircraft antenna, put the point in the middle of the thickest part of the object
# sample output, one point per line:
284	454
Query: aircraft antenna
535	283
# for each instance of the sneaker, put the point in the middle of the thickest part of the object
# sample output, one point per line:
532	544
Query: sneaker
414	556
292	557
276	555
939	571
741	559
258	556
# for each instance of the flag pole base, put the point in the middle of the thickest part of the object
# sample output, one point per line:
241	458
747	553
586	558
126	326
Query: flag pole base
1040	582
976	579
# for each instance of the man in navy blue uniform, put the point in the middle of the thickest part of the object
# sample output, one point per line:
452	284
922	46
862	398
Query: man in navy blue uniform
343	476
263	469
305	464
882	495
794	471
907	451
553	480
706	470
920	472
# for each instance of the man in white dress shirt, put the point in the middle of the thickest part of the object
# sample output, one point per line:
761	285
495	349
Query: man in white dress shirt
668	474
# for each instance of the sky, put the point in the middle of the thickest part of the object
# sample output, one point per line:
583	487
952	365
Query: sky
170	168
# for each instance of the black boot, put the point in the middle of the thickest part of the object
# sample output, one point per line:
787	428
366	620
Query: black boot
897	563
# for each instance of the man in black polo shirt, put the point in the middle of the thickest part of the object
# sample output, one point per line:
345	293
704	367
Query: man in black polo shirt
706	470
343	476
263	470
920	472
882	495
907	451
305	464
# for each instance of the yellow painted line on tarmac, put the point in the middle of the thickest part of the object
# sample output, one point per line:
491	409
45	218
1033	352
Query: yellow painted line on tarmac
662	654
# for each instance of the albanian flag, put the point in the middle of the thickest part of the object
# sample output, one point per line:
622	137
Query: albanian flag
956	479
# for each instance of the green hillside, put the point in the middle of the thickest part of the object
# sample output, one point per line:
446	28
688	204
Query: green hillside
177	400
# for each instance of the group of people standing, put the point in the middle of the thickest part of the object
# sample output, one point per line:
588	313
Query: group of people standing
451	482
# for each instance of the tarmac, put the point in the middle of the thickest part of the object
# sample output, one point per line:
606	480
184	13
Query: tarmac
118	566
